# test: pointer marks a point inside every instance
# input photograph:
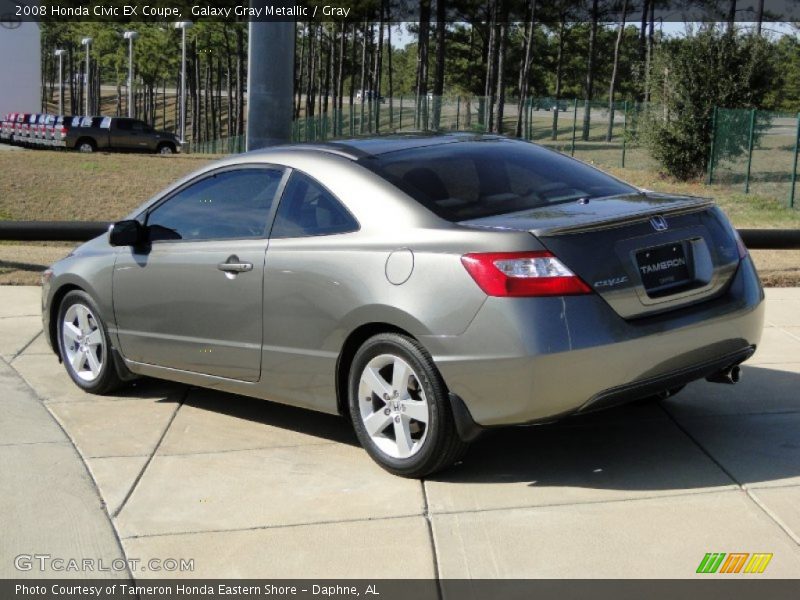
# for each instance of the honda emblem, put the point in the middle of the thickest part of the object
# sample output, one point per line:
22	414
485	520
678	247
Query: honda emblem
659	223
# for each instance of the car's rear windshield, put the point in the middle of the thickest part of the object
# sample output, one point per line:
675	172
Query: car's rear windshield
473	179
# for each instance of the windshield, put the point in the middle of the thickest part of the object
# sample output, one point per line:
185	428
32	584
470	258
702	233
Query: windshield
469	180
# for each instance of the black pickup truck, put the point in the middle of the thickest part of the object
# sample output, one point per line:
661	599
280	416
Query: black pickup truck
88	134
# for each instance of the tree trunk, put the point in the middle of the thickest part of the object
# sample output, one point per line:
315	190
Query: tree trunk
759	16
490	64
731	16
194	84
649	57
643	45
240	81
312	48
299	66
228	81
209	95
334	72
438	82
318	89
562	24
378	69
353	70
390	81
420	119
588	89
614	70
501	80
164	104
363	79
340	77
218	100
326	87
526	66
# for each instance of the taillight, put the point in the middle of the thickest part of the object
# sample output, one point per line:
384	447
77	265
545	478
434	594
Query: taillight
63	132
523	274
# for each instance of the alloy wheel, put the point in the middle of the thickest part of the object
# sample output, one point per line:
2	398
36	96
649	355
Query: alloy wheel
393	407
84	343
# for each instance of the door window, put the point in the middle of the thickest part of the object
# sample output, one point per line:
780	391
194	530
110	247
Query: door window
227	205
307	209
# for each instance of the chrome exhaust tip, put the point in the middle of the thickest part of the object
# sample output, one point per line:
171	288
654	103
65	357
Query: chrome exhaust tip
730	375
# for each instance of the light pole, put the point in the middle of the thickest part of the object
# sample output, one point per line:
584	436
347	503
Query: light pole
183	26
269	82
60	54
87	41
130	36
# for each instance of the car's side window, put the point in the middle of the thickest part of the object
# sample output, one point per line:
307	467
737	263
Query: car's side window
306	209
226	205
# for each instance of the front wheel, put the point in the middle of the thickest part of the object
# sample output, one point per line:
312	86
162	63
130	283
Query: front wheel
84	344
400	407
166	149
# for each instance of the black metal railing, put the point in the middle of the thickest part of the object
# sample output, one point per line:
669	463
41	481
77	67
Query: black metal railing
51	231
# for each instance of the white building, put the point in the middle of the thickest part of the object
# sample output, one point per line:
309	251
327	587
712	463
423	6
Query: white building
20	62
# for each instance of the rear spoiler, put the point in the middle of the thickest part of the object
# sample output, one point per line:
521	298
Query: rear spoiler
695	205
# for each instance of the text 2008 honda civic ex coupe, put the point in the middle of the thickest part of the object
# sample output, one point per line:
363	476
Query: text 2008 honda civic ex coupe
426	287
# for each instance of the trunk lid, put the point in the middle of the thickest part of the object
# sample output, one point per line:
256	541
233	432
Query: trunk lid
642	253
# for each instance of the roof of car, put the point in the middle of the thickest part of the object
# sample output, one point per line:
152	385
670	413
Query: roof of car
357	148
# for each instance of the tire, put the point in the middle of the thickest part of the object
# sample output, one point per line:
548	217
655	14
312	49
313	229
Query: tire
165	149
86	146
419	411
84	344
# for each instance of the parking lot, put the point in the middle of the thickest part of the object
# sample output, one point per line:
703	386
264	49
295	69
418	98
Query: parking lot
247	488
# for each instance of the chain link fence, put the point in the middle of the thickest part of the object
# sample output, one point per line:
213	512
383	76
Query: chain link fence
756	151
229	145
606	136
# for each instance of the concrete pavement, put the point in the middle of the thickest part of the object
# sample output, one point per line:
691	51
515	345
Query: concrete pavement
48	501
247	488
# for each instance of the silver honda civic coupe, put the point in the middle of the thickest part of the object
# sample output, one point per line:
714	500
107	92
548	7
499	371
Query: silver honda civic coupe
425	287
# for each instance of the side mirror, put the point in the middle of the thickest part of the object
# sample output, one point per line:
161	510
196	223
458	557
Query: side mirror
127	233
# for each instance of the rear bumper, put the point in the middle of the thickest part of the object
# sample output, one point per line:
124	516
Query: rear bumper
668	381
524	360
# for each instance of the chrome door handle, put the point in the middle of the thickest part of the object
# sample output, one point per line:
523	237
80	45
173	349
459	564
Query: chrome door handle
235	267
232	265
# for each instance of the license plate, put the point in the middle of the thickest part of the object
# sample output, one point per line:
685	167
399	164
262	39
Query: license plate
663	267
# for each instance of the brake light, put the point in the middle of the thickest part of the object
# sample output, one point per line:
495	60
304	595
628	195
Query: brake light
523	274
63	132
